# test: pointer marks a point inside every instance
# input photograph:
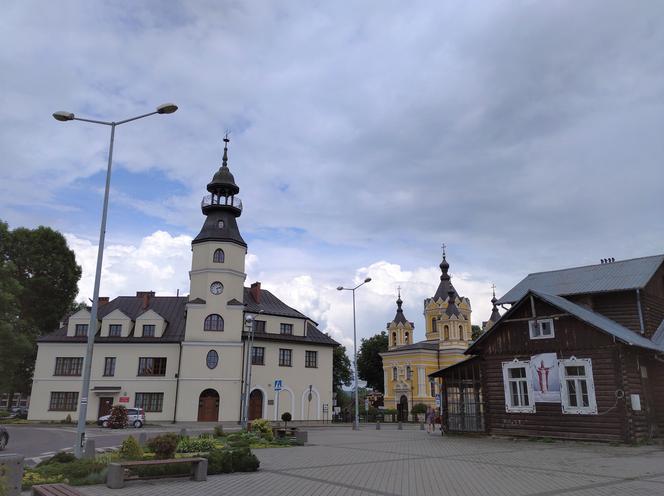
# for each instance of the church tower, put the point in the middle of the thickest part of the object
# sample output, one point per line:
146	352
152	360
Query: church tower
215	308
400	330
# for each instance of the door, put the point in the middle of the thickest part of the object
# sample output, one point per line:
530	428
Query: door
105	405
208	406
256	404
402	409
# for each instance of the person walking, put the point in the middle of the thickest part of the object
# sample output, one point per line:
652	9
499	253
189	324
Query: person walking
431	417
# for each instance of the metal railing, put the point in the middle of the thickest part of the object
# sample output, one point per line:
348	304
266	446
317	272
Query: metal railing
231	201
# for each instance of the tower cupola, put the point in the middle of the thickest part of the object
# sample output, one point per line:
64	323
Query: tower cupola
400	329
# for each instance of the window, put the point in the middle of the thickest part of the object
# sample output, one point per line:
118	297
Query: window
218	256
541	329
150	402
213	322
433	325
446	332
257	355
311	359
461	336
115	330
405	338
152	366
221	224
109	366
394	338
148	330
285	357
409	373
577	389
81	330
395	373
433	388
212	359
259	326
68	366
63	401
518	388
286	328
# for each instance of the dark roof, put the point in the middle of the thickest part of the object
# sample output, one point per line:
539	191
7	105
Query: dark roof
445	285
594	319
441	372
314	336
420	345
399	318
212	232
658	337
616	276
171	308
270	305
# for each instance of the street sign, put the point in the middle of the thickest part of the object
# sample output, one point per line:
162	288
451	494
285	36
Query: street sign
438	401
124	399
277	384
325	407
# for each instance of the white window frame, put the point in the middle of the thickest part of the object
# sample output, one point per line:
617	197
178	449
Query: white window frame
538	323
509	407
591	409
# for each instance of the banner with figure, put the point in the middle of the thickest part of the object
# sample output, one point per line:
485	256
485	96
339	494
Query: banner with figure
544	375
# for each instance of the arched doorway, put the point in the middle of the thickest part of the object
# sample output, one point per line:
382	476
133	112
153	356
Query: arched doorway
402	409
208	406
256	404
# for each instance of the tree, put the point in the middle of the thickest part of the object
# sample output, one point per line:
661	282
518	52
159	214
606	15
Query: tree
341	372
38	283
369	362
476	332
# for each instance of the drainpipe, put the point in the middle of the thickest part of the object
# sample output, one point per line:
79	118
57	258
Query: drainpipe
177	385
638	305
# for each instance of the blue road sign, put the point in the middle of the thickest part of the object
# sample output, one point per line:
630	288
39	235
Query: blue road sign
277	385
438	401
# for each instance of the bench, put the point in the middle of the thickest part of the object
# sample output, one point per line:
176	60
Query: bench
55	490
116	471
284	432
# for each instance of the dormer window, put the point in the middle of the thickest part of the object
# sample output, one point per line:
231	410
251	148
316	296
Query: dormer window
286	329
541	328
218	256
221	224
115	330
81	330
148	330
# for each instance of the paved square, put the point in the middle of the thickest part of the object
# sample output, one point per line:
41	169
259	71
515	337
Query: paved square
411	462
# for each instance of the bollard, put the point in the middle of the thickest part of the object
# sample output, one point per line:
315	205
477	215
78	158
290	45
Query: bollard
142	439
115	476
200	470
421	426
301	437
183	432
11	474
400	426
378	425
89	450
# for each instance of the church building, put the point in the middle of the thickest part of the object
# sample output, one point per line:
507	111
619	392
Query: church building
184	358
407	364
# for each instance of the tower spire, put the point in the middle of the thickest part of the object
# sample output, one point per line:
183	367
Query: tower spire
224	159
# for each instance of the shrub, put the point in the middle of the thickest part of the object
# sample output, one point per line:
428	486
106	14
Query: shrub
195	444
419	408
74	472
263	428
220	461
286	417
244	460
219	431
241	439
60	457
130	449
67	420
32	478
118	418
164	446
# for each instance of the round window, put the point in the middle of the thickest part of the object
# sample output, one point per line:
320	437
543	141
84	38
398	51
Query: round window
212	359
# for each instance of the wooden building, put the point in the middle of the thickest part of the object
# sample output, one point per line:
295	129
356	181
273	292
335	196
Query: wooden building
578	355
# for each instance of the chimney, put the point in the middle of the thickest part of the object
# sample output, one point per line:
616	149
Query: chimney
255	291
103	300
147	296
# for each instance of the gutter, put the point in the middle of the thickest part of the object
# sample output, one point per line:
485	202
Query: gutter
638	306
177	384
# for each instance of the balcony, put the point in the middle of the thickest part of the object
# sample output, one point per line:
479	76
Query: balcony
214	200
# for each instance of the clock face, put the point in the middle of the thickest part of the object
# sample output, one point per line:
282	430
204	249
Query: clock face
216	288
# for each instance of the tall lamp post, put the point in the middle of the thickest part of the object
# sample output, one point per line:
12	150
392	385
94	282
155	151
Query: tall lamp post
356	422
249	357
167	108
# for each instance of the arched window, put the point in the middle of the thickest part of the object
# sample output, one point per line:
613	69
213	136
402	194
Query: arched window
395	373
218	256
212	359
461	332
409	373
446	332
433	325
394	338
406	338
213	322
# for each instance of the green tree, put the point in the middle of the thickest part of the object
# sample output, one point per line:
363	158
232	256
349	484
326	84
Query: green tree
369	362
476	332
341	372
38	283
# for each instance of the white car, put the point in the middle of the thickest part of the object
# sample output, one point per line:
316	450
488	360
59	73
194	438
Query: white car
136	417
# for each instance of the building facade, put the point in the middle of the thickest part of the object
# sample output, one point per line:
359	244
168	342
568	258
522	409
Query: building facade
185	358
408	364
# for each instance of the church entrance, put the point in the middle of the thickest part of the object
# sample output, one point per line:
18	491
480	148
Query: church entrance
208	406
402	409
256	404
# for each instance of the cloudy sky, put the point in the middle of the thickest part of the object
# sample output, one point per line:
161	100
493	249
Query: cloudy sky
525	135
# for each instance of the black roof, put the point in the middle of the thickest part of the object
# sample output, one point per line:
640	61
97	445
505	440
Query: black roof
211	231
445	285
399	318
314	336
420	345
270	305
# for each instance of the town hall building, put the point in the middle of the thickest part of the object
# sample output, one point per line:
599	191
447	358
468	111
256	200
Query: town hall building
183	358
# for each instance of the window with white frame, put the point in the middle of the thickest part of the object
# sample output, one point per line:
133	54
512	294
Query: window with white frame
577	389
541	328
518	387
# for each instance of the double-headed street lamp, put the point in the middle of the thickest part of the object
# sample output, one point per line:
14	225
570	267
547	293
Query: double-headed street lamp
356	422
167	108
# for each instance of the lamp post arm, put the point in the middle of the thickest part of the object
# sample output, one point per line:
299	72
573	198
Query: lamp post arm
136	118
105	123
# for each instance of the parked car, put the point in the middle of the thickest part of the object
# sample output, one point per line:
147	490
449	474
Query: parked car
4	437
136	417
20	412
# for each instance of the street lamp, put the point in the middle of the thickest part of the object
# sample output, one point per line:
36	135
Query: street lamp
249	357
356	422
167	108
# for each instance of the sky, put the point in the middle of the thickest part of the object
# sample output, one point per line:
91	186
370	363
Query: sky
526	136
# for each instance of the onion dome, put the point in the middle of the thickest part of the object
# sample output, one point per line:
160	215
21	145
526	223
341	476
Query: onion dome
400	318
495	314
452	309
445	285
223	182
